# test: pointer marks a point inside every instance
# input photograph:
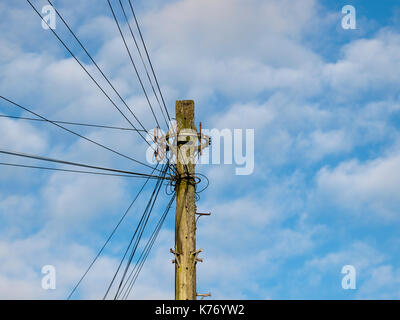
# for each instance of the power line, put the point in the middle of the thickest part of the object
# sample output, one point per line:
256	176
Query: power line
148	57
139	237
88	73
74	133
91	58
133	63
140	227
18	154
109	238
152	68
67	170
144	64
71	123
146	251
96	65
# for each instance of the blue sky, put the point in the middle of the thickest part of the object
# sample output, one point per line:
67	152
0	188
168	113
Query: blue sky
324	104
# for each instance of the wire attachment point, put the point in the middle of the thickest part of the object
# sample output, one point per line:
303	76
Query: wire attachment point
196	253
176	260
203	295
201	214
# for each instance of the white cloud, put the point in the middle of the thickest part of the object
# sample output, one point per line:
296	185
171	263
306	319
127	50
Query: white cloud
367	64
21	136
383	283
370	187
239	51
320	144
358	254
22	261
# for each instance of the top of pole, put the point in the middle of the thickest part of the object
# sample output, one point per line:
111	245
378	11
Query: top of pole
185	114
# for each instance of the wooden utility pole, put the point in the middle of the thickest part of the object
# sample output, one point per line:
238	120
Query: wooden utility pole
185	223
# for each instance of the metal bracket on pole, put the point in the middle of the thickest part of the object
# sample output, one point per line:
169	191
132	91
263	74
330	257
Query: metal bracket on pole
201	214
204	142
176	254
196	253
203	295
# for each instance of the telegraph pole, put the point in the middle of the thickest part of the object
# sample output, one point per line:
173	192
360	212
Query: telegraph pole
185	222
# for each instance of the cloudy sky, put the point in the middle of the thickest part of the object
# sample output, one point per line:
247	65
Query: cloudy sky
325	107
